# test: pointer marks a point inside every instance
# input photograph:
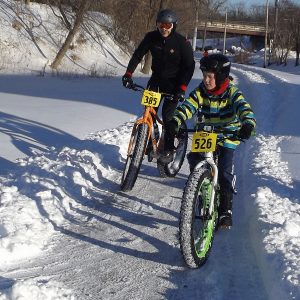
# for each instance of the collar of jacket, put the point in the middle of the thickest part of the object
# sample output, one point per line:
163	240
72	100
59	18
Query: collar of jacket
166	38
218	94
220	90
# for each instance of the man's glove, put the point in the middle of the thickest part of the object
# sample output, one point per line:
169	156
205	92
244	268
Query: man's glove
245	131
172	127
127	80
179	96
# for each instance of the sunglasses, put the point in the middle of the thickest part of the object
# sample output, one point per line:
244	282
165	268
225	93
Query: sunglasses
165	25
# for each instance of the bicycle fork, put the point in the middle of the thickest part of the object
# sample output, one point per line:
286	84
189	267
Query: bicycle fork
209	158
147	118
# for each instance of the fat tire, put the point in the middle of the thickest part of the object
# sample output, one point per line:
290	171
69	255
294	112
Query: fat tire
171	169
134	160
187	217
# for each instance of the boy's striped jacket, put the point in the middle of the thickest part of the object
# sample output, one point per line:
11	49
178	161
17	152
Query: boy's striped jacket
227	111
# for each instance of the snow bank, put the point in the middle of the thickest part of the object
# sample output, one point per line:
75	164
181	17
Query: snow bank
37	290
279	216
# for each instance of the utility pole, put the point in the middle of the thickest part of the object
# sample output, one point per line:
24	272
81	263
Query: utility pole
224	38
196	28
275	28
266	33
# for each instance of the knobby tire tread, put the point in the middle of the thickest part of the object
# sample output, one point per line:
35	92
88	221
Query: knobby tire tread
188	203
137	158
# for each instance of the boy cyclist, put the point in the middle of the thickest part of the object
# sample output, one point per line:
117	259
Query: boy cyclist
224	107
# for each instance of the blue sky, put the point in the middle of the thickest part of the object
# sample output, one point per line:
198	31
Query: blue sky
259	2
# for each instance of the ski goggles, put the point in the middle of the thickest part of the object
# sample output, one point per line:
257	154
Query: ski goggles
164	25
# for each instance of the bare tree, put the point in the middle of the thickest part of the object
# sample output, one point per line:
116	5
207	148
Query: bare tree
83	7
209	9
62	10
287	35
297	40
23	19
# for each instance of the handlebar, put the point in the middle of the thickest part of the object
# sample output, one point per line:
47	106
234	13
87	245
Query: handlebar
137	87
140	88
234	135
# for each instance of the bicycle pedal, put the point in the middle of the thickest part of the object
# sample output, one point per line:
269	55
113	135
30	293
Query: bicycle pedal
224	227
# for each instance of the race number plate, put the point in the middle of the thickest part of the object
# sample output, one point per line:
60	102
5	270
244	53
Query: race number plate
204	141
151	98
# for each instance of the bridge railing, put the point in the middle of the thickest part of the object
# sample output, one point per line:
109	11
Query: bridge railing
231	25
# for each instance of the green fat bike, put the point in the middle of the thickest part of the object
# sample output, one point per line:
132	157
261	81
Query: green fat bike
201	199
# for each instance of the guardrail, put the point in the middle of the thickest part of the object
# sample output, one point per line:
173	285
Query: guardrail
234	26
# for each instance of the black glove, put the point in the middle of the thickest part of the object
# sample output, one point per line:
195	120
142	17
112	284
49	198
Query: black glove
127	81
245	131
179	96
172	127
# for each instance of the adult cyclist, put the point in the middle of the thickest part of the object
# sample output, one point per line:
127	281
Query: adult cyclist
172	68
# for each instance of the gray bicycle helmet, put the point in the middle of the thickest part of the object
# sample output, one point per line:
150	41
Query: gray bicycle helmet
167	16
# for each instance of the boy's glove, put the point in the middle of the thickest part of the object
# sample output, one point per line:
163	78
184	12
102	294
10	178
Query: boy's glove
127	80
179	96
245	131
172	127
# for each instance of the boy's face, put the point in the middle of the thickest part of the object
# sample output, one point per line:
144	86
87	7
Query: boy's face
209	80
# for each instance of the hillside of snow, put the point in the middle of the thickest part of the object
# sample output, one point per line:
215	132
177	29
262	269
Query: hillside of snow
34	34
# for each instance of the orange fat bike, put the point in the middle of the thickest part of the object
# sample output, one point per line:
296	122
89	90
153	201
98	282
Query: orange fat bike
144	140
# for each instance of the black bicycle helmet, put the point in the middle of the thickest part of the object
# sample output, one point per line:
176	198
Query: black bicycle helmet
218	64
167	16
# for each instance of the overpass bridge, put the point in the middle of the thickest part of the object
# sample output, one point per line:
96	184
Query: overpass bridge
254	29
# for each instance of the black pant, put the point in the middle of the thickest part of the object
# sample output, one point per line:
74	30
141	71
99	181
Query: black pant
169	86
227	177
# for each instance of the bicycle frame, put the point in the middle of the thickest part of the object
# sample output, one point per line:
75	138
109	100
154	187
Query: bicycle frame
148	116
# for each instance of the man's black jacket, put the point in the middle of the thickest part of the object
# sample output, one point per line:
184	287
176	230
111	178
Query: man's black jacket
172	57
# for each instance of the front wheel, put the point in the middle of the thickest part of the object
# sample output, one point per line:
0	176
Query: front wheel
180	142
196	229
135	158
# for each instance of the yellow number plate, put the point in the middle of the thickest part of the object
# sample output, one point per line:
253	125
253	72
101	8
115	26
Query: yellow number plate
151	98
204	141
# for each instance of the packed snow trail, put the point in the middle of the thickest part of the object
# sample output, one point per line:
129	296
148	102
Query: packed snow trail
105	244
129	242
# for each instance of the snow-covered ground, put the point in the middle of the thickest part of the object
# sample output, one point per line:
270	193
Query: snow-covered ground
66	230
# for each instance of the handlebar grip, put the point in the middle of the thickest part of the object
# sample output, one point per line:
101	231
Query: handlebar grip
234	136
136	87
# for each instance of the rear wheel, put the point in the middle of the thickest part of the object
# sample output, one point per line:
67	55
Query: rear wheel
171	169
196	229
135	158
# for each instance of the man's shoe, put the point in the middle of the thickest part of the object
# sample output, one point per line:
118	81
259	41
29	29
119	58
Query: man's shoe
225	220
150	156
166	157
149	147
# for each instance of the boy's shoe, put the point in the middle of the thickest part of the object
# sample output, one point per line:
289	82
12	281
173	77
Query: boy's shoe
225	220
166	157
